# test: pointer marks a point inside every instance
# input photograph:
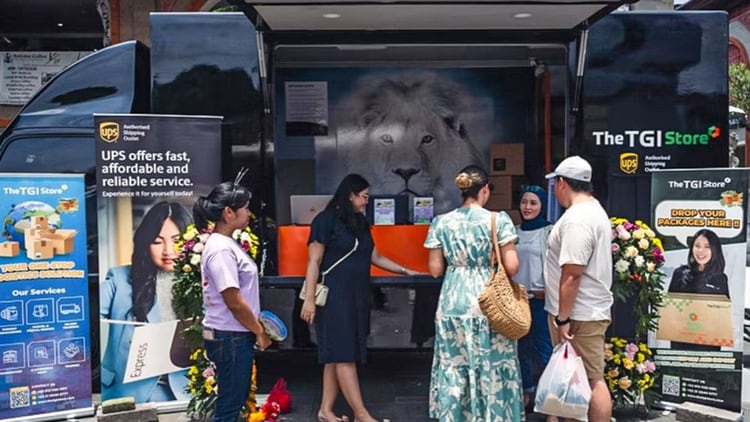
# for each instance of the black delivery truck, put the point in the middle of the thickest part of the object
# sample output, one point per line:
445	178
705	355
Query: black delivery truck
581	80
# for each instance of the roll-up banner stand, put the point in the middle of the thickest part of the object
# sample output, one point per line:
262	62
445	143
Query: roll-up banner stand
45	371
700	215
150	171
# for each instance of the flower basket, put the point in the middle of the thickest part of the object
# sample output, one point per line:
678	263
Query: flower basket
637	255
630	372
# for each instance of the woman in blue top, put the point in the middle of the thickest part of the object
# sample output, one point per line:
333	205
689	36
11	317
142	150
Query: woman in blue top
535	348
474	370
142	292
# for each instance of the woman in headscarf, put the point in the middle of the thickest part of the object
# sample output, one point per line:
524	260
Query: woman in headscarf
535	348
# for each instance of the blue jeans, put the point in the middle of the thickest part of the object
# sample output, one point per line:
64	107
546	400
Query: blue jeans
232	353
535	348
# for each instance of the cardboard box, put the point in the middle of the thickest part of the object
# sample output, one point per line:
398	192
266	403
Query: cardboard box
10	249
39	249
506	159
39	222
515	215
499	201
697	319
62	240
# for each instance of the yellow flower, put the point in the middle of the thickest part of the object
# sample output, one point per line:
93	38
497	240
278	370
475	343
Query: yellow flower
617	359
657	243
650	234
193	369
621	342
639	234
624	383
627	363
640	357
190	233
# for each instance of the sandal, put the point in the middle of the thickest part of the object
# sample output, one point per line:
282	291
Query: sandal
342	418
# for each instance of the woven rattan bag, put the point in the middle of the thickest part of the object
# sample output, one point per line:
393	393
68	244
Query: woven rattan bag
503	301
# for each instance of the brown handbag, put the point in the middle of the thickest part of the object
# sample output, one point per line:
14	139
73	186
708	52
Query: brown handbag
503	301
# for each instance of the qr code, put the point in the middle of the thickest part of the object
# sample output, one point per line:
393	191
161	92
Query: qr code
19	397
670	385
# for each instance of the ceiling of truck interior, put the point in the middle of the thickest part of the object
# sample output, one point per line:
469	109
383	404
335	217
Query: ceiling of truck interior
396	15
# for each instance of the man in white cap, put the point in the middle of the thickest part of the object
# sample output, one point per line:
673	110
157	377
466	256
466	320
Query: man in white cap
578	276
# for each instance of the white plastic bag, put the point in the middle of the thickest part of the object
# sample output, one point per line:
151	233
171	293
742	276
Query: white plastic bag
563	388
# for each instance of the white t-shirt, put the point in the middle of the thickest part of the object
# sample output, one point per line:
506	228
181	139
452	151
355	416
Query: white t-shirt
582	236
223	265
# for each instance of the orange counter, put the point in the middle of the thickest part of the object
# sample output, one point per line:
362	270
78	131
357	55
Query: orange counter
403	244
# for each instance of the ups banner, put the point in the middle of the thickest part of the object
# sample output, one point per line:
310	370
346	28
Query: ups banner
701	217
150	171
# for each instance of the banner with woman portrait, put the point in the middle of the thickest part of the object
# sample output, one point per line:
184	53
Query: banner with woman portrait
150	171
701	218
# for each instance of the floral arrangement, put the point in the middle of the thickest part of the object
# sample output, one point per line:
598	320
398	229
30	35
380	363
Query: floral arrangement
629	371
187	302
638	256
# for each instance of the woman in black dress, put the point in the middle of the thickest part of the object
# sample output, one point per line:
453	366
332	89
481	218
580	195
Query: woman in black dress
704	272
342	324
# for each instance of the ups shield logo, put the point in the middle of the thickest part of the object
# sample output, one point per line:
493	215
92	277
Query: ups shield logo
109	131
629	162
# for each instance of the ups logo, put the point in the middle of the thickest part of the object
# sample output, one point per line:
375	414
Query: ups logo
629	162
109	131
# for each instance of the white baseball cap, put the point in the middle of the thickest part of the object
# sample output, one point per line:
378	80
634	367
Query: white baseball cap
574	167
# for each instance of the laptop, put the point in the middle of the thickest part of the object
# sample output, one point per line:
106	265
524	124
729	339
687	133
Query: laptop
305	207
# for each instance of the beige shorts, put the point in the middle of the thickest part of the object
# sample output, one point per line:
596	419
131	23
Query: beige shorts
588	341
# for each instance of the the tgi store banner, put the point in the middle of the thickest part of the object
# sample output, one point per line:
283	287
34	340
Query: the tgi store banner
150	171
44	318
701	217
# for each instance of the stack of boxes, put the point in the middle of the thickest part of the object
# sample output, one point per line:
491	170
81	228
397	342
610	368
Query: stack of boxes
43	242
507	175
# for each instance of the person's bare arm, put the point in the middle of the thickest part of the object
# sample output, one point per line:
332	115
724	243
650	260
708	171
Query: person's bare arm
510	258
388	264
436	262
570	282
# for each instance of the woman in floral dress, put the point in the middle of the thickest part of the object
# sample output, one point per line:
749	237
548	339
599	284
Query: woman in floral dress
475	374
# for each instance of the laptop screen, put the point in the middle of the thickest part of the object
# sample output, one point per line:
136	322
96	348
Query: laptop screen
305	207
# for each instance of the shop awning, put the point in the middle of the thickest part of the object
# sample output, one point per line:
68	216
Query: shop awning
428	15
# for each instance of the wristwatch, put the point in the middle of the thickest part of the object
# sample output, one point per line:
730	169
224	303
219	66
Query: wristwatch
559	322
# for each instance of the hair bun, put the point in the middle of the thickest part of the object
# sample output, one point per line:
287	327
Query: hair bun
464	181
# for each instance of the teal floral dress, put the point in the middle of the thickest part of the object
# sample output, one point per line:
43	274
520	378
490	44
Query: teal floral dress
475	373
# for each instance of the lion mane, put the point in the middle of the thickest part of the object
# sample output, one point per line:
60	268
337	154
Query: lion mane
405	132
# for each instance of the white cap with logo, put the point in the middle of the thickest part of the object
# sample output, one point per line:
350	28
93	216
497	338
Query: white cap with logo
574	167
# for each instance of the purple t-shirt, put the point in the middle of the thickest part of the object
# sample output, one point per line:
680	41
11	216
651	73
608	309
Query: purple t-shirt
224	264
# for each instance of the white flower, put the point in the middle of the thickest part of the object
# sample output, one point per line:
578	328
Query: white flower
621	266
639	234
650	234
643	243
203	237
198	248
631	252
195	259
639	261
650	266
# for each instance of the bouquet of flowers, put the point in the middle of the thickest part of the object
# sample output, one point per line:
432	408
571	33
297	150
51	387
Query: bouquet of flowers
629	371
187	302
637	255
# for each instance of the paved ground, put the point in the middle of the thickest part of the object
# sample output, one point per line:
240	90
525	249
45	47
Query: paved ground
394	382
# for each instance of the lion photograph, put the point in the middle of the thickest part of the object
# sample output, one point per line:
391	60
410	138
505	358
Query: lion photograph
406	133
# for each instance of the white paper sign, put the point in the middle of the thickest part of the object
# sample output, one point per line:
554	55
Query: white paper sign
22	73
151	351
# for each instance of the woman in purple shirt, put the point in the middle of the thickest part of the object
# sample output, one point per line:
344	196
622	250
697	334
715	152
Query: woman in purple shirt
230	297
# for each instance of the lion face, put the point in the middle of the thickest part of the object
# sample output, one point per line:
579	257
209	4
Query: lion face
407	141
